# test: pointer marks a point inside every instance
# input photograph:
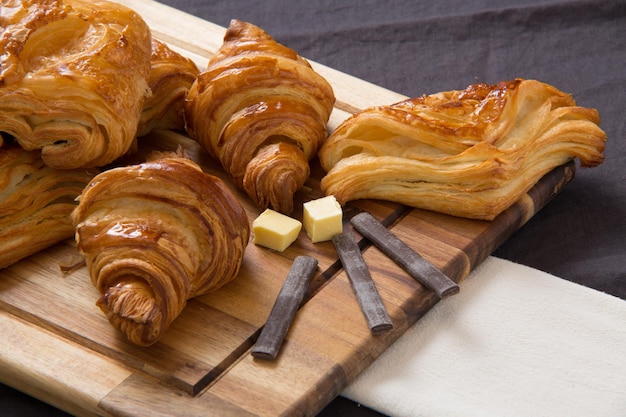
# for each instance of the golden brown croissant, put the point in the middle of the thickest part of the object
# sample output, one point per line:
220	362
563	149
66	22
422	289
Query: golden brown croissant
35	203
469	153
73	78
261	110
155	235
171	76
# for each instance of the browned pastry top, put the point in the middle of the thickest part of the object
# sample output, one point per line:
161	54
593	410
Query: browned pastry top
73	78
470	153
155	235
256	93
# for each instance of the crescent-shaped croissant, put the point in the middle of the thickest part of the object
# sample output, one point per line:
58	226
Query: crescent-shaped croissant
469	153
261	110
35	203
171	76
73	78
155	235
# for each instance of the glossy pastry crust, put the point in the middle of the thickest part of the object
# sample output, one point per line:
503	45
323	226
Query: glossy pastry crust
73	78
261	110
171	76
155	235
469	153
35	203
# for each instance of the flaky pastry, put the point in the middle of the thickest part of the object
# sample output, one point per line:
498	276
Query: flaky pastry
469	153
73	78
171	76
261	110
155	235
35	203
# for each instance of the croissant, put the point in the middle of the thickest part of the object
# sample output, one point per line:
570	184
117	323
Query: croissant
468	153
35	203
171	76
155	235
73	78
261	110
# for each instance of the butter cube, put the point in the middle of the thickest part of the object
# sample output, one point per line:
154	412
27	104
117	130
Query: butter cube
274	230
322	218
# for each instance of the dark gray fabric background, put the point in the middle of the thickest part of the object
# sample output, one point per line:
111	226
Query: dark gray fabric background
422	47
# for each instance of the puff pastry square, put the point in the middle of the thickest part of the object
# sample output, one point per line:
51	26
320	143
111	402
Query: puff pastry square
468	153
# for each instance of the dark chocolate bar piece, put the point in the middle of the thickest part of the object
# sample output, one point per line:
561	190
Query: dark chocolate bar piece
419	268
367	295
284	310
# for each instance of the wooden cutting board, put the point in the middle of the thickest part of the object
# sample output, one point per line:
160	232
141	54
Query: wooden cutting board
59	347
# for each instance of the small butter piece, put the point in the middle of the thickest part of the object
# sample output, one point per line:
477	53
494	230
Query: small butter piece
275	230
322	218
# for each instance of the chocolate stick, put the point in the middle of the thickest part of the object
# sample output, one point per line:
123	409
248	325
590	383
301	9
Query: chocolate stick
371	304
284	310
418	267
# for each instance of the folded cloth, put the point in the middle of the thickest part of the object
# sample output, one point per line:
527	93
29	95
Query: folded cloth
514	342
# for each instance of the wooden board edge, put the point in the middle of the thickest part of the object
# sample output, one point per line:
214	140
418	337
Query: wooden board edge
53	369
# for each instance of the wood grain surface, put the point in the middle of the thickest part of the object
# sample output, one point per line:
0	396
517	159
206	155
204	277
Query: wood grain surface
58	346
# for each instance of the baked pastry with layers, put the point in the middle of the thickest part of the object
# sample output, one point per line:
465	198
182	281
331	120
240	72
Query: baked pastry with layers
73	78
171	76
469	153
155	235
261	110
35	203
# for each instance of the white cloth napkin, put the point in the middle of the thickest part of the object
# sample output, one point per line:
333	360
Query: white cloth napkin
514	342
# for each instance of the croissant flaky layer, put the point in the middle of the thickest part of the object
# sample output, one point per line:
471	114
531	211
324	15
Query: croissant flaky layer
171	76
469	153
155	235
35	203
255	96
73	78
